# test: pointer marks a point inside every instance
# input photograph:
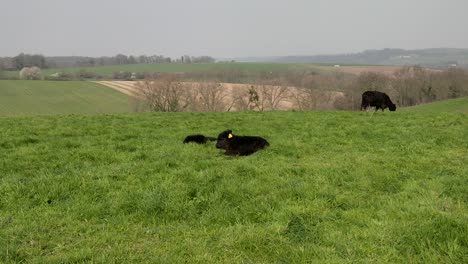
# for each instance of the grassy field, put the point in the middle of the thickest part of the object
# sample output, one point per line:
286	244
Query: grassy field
453	105
333	187
179	67
231	68
107	71
49	97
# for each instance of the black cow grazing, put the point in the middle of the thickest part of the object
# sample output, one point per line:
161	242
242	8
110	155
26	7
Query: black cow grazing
378	100
240	145
200	139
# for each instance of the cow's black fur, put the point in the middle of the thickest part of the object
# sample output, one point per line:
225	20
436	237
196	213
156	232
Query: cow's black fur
240	145
378	100
200	139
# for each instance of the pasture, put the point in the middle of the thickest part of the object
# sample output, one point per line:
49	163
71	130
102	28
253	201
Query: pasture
453	105
221	67
179	68
333	187
59	97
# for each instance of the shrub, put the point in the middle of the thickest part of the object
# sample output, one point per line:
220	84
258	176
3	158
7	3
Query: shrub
122	75
30	73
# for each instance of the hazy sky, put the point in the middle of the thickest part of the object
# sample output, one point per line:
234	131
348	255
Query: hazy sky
223	28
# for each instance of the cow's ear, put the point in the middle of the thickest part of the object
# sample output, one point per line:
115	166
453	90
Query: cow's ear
230	135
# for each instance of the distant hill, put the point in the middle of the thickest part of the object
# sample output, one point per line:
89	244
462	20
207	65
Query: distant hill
434	58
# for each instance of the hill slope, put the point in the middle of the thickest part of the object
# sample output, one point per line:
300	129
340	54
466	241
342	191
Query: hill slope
452	105
49	97
436	58
332	187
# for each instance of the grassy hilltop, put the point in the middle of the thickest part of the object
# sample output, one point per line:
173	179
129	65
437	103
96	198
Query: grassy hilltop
332	187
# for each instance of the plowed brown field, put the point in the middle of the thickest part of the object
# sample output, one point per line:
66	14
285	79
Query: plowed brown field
231	92
356	70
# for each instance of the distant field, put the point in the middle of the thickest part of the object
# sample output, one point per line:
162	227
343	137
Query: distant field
452	105
333	187
10	74
230	91
59	97
357	69
179	67
250	67
264	68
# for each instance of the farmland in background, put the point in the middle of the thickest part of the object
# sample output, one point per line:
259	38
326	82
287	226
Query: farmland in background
107	71
64	97
271	68
310	87
222	97
275	69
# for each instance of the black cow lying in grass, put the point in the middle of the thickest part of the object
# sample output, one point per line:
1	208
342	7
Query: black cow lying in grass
240	145
200	139
377	100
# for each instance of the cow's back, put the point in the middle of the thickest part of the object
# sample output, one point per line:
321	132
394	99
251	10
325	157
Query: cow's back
372	98
369	98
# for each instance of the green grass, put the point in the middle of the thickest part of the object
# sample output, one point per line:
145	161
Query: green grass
9	75
333	187
59	97
179	67
452	105
107	71
230	68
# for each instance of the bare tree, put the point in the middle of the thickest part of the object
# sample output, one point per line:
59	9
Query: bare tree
372	81
275	93
424	92
458	85
413	85
367	81
267	95
402	83
240	102
211	96
163	95
255	100
317	99
1	68
305	98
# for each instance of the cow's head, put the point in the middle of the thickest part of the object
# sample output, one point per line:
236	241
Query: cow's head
391	107
223	139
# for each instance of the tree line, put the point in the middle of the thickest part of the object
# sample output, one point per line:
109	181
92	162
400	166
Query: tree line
300	91
37	60
410	86
407	86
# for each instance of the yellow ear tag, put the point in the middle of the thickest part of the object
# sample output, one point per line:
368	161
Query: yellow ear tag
230	135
